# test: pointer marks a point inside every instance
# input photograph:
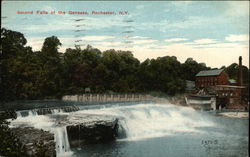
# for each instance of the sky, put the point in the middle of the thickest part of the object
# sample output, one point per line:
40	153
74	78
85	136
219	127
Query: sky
213	32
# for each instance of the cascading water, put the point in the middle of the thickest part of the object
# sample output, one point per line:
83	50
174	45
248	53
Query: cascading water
151	120
55	111
139	121
32	113
26	113
32	119
179	127
18	114
62	142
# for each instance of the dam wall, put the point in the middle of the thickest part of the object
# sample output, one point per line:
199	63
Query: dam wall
107	97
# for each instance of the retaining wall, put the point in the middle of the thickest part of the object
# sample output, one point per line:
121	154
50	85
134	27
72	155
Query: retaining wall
107	97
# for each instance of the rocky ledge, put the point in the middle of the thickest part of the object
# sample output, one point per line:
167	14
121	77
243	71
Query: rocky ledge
36	142
91	129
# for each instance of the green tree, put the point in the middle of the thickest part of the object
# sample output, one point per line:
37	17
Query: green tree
233	69
48	73
15	61
190	68
50	76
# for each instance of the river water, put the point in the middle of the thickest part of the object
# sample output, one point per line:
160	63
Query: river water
153	130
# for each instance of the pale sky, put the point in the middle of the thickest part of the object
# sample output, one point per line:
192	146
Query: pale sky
213	32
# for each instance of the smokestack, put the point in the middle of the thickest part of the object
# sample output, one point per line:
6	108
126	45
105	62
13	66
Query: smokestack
240	81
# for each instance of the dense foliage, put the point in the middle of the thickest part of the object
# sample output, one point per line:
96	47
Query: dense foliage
9	144
232	71
50	74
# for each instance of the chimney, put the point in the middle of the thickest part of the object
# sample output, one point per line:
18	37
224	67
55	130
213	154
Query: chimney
240	81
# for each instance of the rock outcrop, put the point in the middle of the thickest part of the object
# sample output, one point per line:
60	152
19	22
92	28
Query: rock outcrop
36	142
91	129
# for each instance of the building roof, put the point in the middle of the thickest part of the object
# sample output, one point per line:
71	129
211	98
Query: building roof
215	72
232	81
188	81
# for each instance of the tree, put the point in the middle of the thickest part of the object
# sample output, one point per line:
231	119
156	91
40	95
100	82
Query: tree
190	68
99	78
233	69
50	76
12	43
14	61
161	74
91	56
51	45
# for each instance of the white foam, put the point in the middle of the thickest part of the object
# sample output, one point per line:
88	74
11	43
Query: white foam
39	122
139	121
153	120
62	142
46	123
26	113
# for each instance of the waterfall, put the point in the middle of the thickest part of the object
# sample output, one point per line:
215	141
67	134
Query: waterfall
30	118
26	113
56	111
152	120
62	142
32	113
137	122
18	114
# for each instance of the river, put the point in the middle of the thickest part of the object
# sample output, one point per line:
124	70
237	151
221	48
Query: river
153	130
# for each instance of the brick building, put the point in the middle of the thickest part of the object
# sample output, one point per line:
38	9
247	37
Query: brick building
230	94
209	78
232	97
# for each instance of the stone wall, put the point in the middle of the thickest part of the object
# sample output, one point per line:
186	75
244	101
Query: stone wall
107	97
